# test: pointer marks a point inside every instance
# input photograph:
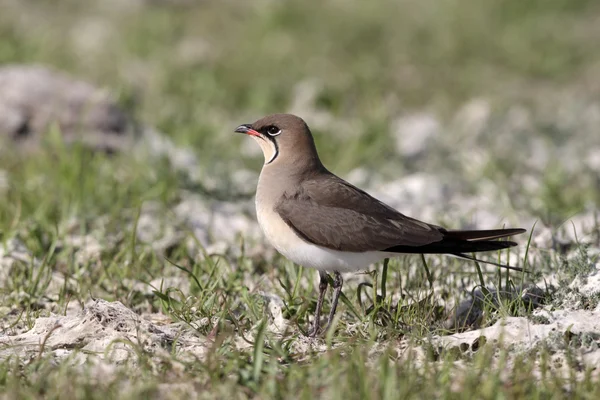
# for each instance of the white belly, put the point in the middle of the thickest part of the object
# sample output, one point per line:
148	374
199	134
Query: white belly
283	238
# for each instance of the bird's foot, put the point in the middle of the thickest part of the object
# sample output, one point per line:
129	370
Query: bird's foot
314	329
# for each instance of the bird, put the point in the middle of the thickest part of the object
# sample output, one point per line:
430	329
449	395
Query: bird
318	220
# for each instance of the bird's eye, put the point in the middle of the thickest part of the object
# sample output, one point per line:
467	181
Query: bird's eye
273	130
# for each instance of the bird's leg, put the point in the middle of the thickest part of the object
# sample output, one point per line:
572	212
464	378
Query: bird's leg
338	281
324	280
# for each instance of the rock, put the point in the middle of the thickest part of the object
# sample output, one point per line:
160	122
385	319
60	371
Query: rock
472	118
469	312
102	329
34	99
579	229
558	330
245	181
415	133
418	195
593	159
275	307
364	178
591	285
16	257
155	144
13	252
156	228
213	222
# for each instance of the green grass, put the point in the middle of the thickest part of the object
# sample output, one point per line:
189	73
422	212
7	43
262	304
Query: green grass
370	63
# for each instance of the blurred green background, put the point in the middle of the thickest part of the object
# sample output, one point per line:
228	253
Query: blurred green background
194	69
524	73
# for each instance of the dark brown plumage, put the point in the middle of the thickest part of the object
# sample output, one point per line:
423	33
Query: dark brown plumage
330	212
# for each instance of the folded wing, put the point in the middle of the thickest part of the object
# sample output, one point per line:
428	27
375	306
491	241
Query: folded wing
334	214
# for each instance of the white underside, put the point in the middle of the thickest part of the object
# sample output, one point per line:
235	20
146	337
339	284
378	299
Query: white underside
324	259
285	240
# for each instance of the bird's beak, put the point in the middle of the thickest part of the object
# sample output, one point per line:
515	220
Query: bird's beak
247	129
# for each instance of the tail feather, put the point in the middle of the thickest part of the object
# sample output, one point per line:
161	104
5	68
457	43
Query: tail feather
457	243
451	246
476	235
460	255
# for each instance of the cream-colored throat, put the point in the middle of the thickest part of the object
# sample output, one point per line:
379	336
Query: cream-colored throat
268	148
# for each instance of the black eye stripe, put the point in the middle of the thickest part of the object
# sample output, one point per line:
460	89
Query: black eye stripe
276	152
